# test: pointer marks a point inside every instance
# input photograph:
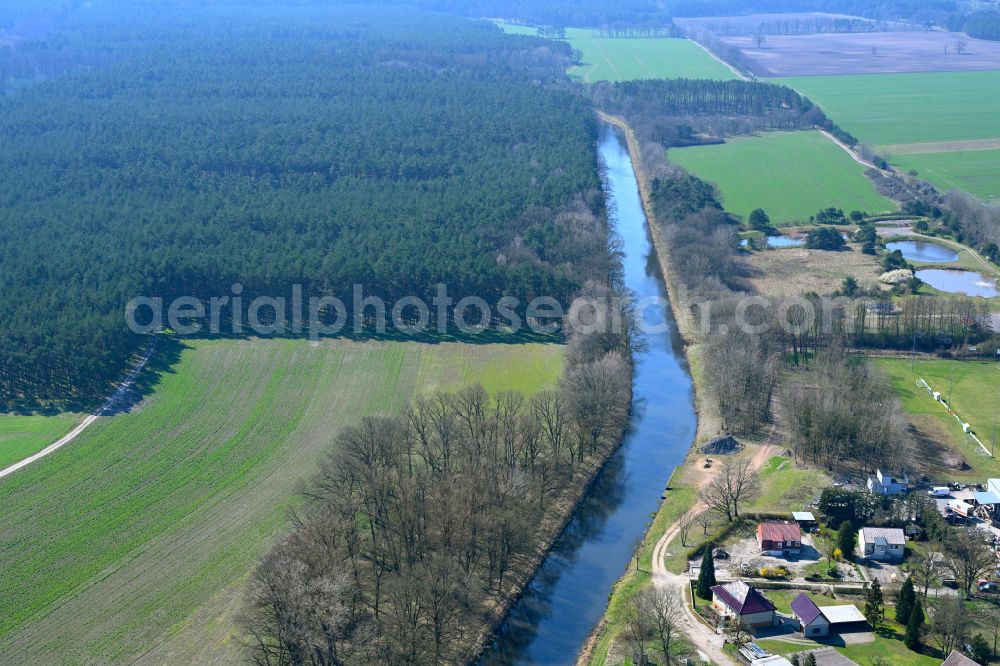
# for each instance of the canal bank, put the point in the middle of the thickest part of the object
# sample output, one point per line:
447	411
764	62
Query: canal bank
569	592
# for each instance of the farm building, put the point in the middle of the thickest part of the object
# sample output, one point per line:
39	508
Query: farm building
884	484
771	660
812	622
779	539
883	544
956	658
805	519
744	603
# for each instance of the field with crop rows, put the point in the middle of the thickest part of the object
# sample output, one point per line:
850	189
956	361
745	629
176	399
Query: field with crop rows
975	171
791	175
22	436
141	530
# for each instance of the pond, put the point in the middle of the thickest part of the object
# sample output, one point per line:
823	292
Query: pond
931	253
969	283
778	242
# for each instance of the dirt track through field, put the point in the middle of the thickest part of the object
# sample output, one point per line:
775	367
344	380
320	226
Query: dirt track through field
106	408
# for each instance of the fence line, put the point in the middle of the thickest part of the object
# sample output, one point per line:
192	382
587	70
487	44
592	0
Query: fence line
966	428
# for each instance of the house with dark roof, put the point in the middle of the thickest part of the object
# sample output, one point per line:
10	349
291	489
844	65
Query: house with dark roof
883	544
812	621
956	658
743	603
779	539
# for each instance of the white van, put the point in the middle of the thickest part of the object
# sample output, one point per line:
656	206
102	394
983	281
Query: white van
939	491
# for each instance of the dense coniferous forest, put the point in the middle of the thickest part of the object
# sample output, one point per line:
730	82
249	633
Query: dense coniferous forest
321	146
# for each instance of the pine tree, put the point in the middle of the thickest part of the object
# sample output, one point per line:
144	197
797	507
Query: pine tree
912	637
846	536
706	575
904	603
875	605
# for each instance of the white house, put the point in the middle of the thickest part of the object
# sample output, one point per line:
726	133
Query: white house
884	544
811	619
883	484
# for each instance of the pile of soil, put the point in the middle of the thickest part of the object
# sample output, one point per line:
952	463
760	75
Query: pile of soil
721	446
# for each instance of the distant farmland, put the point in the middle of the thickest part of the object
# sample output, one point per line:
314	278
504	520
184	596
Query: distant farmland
791	175
975	171
609	59
141	530
886	109
927	122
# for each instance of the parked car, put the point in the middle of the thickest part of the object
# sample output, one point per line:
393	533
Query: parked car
939	491
950	582
988	586
720	554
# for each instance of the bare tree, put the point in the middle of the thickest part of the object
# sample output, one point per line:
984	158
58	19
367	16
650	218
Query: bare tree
969	557
927	566
759	39
948	624
663	608
704	519
960	46
638	626
716	497
684	528
741	480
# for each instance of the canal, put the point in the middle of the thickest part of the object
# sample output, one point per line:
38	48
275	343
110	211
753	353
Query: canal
568	594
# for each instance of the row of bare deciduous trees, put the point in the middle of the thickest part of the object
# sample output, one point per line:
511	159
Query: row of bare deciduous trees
415	523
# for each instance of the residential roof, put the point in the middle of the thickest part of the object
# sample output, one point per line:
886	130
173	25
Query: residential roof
892	535
842	614
956	658
779	532
805	608
772	660
986	498
803	516
743	599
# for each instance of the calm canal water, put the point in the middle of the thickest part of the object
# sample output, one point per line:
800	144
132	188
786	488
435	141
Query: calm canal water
569	592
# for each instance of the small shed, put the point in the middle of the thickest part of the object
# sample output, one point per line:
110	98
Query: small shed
805	519
812	622
843	617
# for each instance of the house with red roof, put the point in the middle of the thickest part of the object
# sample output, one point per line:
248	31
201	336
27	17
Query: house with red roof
779	539
743	603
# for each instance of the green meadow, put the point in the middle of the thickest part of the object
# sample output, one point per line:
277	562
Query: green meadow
22	436
613	59
973	386
791	175
975	171
139	533
885	109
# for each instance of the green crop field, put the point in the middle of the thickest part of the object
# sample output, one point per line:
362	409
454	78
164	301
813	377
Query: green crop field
975	171
973	396
610	59
22	436
133	539
791	175
884	109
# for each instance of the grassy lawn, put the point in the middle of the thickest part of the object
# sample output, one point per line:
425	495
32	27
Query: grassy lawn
974	397
884	109
141	530
786	486
888	646
22	436
610	59
975	171
791	175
